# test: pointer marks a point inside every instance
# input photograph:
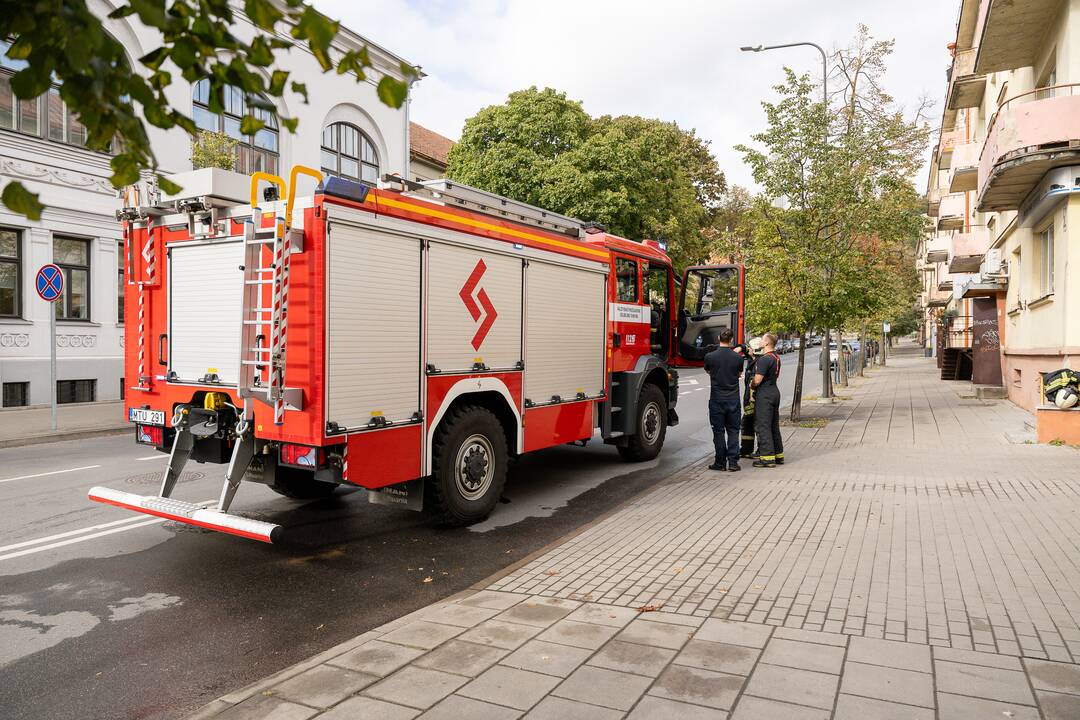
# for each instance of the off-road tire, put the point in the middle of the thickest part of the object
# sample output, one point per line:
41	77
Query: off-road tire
300	484
652	418
458	440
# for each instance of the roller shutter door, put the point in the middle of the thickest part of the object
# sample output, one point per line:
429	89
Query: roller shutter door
373	326
564	332
205	298
474	308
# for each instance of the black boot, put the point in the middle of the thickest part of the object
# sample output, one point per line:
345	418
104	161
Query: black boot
764	464
717	466
733	467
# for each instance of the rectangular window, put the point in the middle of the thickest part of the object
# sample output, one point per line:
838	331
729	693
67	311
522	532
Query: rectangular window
10	273
16	394
626	280
73	257
1046	261
122	388
120	283
75	391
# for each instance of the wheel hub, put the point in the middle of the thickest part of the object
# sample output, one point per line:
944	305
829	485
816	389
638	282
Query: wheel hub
650	423
474	469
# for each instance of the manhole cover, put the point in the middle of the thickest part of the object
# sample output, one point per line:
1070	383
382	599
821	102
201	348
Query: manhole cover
155	478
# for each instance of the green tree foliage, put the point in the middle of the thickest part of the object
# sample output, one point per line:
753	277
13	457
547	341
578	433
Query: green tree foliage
213	150
63	42
639	177
837	217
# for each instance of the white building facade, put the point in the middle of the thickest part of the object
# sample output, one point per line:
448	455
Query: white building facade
344	129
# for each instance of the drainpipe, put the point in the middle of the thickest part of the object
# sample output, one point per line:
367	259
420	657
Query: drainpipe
408	102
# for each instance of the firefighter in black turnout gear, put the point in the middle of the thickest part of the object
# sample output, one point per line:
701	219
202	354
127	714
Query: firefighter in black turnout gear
751	351
767	405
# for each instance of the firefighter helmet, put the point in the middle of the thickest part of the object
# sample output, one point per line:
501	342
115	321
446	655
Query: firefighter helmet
1067	397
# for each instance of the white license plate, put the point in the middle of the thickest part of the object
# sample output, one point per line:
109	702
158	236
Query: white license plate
146	417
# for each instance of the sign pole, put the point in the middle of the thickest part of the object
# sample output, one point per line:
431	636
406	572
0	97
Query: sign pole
52	361
50	288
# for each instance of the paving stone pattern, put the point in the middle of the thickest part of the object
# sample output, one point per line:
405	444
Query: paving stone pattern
965	541
884	572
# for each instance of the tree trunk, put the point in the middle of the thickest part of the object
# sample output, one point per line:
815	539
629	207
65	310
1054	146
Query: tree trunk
841	358
862	352
796	394
826	373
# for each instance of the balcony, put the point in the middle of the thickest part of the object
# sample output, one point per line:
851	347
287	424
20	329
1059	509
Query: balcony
1029	135
949	140
933	202
936	250
964	173
966	250
1010	34
953	211
967	88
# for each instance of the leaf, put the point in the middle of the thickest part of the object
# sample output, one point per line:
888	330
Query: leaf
262	13
427	579
125	170
168	186
650	608
21	201
392	91
250	125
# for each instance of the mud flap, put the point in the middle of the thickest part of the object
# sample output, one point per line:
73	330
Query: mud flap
408	495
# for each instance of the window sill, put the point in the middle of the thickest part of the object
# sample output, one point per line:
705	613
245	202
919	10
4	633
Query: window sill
1044	300
82	323
14	321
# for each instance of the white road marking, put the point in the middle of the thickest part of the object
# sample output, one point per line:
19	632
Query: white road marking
127	524
691	381
684	392
160	456
52	472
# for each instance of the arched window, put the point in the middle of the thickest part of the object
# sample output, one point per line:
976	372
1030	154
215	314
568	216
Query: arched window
253	152
349	153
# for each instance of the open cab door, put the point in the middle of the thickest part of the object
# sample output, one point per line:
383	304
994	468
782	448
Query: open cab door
710	299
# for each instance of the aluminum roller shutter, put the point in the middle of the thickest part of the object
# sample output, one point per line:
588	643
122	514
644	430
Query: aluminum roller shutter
467	281
373	326
564	332
205	300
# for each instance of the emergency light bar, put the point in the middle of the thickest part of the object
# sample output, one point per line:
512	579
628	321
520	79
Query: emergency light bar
188	513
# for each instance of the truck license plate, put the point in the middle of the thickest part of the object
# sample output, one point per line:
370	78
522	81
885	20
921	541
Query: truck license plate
146	417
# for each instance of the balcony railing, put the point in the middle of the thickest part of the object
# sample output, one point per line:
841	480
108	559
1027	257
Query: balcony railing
964	168
958	331
1030	133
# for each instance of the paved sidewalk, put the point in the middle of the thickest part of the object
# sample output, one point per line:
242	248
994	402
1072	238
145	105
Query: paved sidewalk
26	426
909	561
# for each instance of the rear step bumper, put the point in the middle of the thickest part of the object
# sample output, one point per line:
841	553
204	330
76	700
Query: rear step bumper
189	513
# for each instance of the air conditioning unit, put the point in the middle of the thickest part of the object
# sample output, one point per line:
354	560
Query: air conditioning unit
993	263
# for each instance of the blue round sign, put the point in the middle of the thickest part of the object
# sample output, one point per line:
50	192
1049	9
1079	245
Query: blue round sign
49	282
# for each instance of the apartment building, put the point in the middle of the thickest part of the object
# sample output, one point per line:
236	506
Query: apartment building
1000	269
344	129
428	153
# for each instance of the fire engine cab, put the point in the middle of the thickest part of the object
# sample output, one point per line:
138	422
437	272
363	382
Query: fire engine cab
408	339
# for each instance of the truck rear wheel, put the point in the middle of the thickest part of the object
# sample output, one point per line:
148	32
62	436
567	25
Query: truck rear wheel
300	484
652	418
469	459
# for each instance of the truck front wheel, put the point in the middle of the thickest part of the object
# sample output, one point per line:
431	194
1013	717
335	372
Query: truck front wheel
469	459
652	418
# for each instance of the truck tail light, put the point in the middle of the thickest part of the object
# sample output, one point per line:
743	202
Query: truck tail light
301	455
149	435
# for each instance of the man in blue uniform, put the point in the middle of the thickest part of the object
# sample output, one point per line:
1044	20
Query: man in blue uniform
725	368
767	405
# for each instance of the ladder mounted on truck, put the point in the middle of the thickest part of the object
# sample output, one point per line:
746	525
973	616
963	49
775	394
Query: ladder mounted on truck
265	330
466	197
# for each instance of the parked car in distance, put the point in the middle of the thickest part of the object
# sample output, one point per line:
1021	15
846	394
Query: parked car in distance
832	356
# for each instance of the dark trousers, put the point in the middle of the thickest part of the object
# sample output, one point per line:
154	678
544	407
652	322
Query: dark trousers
747	446
725	413
767	423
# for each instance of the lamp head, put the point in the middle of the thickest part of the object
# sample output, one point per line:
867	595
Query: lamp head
751	48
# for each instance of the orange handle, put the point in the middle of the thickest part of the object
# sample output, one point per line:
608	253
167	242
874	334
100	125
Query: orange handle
296	171
272	179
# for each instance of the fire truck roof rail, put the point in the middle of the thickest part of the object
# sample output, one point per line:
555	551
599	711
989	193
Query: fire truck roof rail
477	200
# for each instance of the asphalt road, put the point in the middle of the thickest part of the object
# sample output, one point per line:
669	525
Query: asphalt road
109	614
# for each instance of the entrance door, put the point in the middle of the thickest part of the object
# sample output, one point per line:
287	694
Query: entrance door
986	343
710	300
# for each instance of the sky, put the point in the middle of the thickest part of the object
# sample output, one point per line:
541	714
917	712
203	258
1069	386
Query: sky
677	60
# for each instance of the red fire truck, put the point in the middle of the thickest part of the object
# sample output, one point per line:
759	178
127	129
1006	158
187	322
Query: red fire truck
408	339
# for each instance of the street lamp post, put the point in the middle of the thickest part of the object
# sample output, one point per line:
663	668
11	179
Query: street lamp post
826	386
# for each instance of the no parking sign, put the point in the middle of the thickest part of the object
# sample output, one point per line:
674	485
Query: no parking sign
50	282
